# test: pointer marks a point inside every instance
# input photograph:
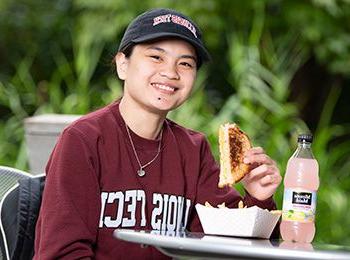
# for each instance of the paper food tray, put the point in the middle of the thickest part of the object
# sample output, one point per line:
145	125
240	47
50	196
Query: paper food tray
247	222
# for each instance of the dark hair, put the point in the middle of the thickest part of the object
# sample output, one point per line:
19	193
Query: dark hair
128	51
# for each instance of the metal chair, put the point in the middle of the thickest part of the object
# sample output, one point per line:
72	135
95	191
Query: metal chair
9	178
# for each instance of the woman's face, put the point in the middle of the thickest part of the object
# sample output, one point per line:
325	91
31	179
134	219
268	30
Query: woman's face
158	76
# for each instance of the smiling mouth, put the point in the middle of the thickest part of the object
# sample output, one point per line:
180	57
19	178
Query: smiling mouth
164	88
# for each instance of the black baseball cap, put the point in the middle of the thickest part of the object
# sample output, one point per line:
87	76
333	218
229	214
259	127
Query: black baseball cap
164	23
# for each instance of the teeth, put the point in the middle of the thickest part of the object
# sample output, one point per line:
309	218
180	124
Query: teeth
160	86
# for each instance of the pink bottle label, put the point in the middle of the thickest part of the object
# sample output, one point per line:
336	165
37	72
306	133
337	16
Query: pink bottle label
299	205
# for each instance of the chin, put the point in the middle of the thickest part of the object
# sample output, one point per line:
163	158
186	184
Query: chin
164	106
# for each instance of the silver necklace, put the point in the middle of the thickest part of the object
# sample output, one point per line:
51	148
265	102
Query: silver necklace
141	172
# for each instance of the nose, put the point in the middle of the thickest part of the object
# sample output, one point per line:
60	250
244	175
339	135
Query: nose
170	71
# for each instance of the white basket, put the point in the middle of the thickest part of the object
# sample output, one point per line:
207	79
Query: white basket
247	222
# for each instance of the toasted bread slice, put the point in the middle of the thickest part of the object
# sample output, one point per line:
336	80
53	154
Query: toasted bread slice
233	143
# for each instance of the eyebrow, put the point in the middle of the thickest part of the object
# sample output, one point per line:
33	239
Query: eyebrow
186	56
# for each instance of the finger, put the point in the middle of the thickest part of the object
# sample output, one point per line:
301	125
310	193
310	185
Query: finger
271	179
267	180
261	171
258	159
255	150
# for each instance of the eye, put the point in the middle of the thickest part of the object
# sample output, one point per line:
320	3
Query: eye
155	57
187	64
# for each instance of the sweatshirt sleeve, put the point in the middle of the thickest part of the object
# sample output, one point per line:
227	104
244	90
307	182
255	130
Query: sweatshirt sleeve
68	218
207	190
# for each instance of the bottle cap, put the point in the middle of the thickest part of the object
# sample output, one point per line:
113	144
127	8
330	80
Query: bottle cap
305	138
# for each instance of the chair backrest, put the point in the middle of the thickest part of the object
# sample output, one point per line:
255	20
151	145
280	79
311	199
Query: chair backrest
19	209
9	177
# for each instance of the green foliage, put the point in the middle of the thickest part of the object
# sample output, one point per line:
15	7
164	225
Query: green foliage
56	57
334	162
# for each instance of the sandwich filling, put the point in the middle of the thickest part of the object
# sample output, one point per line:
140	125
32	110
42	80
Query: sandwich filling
233	143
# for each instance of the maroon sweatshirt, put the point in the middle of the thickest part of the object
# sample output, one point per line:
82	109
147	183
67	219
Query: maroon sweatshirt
92	188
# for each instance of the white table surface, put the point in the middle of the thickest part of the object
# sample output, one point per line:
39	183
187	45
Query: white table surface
198	245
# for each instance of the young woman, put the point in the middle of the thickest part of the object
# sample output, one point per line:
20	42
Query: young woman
128	166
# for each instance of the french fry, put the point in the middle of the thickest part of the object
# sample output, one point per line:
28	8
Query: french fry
240	206
222	205
277	212
207	204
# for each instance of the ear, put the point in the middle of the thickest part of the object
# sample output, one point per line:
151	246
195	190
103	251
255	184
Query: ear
121	63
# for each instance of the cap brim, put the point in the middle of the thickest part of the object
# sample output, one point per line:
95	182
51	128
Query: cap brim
201	50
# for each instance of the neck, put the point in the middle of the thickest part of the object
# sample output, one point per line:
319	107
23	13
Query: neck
141	121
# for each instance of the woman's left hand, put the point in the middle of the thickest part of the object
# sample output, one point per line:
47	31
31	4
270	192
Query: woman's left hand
264	176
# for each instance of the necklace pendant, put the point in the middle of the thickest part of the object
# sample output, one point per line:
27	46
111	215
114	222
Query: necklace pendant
141	172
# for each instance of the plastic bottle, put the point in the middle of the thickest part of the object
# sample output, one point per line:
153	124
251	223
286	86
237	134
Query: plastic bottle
301	183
